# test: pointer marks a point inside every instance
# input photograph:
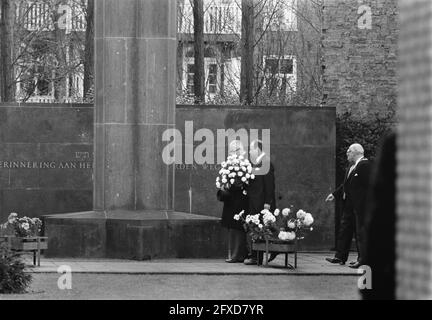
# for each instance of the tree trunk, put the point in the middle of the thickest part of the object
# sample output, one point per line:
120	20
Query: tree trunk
247	52
7	82
199	75
89	51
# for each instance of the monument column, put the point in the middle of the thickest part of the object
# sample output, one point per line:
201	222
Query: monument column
133	217
135	54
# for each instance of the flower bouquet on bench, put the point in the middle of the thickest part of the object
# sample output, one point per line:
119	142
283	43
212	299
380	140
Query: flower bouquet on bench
22	235
278	231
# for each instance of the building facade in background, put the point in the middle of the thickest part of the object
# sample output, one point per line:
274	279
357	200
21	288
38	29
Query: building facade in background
286	51
360	43
49	46
50	41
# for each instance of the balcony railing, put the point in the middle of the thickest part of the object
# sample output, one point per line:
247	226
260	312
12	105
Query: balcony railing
218	19
38	16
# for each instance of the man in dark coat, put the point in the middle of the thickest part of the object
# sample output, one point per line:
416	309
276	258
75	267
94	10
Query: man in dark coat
261	190
353	192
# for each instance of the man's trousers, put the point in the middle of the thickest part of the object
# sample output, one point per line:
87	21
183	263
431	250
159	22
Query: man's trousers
351	224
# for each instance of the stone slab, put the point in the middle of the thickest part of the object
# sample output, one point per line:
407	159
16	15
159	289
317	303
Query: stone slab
46	158
136	235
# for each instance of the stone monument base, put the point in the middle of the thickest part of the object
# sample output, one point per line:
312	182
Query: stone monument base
138	235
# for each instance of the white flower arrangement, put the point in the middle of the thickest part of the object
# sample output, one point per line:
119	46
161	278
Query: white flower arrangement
269	225
235	171
22	227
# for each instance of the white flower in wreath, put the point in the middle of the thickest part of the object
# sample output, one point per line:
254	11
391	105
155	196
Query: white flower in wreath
291	225
256	220
283	235
240	174
291	236
237	217
12	217
224	180
308	220
232	181
25	226
218	185
301	214
260	226
247	175
286	212
244	179
268	218
276	212
245	192
224	164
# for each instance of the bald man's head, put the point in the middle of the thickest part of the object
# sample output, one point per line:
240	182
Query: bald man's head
357	148
355	152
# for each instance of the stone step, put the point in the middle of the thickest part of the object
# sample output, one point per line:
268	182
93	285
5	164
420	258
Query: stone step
139	235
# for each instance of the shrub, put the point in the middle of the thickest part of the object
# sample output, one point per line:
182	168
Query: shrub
13	279
368	131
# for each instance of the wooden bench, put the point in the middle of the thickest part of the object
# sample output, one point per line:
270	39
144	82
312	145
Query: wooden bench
279	246
27	244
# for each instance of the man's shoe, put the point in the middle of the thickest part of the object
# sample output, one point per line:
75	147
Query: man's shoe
335	261
233	260
250	262
355	265
353	262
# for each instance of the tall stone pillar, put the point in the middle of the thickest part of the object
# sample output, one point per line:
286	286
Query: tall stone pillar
135	54
133	217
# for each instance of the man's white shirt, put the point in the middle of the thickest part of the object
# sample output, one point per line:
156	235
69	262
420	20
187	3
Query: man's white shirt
354	166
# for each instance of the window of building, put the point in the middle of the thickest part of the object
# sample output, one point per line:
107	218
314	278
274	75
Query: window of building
212	71
35	84
212	78
279	65
280	74
280	15
190	77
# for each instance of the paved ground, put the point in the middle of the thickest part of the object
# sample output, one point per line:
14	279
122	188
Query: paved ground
191	287
193	279
308	264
